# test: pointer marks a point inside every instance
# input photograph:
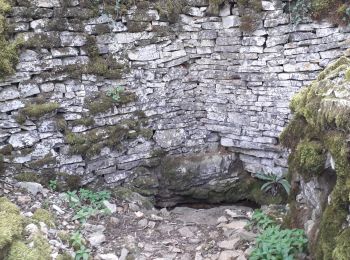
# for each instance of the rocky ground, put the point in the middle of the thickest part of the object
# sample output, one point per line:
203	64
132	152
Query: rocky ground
133	232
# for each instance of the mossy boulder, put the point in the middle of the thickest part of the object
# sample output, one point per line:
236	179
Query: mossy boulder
133	197
42	215
321	126
21	251
11	223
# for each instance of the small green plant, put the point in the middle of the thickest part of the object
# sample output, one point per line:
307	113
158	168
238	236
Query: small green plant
84	213
275	242
115	93
73	199
273	183
87	203
53	185
81	251
82	254
76	239
261	220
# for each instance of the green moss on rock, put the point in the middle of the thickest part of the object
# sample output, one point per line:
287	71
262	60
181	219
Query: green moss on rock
40	251
42	215
11	223
131	196
331	225
309	158
342	250
27	177
85	121
8	49
321	125
38	110
44	162
102	103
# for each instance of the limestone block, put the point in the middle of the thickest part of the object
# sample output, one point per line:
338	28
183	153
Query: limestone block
146	53
47	3
170	138
24	139
230	21
257	41
9	93
276	40
301	66
64	52
11	105
72	39
28	89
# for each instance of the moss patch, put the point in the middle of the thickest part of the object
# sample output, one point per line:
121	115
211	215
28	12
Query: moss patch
64	256
8	49
90	143
85	121
102	103
42	215
309	158
102	65
27	177
214	6
342	250
38	110
11	223
40	251
44	162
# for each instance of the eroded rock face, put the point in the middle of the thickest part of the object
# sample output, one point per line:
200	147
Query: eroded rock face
211	178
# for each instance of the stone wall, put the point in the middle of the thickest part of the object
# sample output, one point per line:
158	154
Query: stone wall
201	86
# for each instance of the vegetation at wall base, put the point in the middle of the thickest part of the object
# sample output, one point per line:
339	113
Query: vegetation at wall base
275	242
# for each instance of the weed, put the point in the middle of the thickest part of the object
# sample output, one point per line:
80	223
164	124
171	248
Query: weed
78	243
115	93
83	253
53	185
274	242
261	220
273	183
87	203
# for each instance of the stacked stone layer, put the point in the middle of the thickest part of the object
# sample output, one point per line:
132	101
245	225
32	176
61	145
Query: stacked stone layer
202	83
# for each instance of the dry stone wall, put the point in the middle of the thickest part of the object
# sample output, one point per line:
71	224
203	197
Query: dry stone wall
199	85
